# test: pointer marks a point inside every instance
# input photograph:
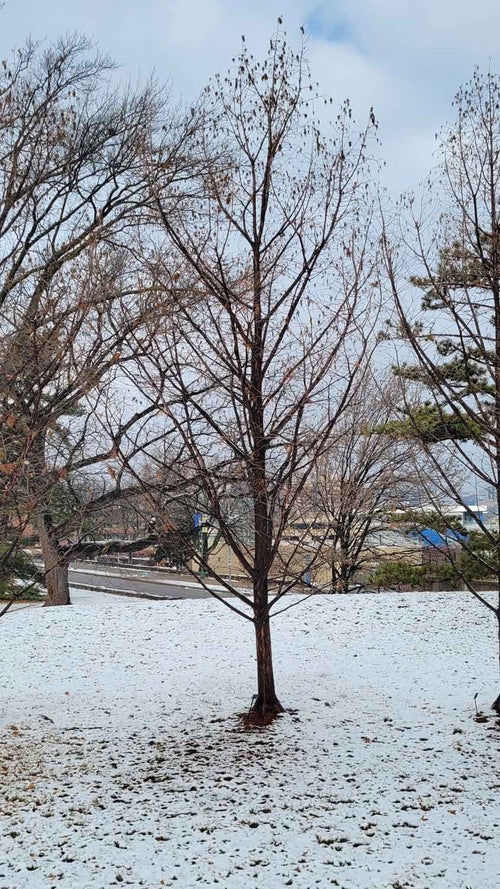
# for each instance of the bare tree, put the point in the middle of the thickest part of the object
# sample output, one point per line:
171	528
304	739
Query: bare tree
455	338
61	360
72	193
358	483
83	472
273	240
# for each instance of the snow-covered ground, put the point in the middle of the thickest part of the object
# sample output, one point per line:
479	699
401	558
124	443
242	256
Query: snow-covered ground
122	763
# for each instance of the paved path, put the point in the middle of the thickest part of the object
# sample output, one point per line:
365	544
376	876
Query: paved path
140	583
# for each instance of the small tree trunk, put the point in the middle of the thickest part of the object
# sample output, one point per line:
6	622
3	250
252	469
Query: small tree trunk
340	579
345	567
56	568
496	703
344	580
266	702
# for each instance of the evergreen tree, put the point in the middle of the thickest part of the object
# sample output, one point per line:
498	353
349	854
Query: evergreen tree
455	338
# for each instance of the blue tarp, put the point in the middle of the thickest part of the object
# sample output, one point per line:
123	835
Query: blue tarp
430	537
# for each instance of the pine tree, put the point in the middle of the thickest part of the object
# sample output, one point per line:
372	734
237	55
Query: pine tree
455	338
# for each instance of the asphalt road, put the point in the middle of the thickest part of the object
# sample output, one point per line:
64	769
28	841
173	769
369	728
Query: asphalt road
140	582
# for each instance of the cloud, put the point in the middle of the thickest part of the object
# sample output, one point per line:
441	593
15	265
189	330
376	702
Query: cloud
410	58
406	27
405	58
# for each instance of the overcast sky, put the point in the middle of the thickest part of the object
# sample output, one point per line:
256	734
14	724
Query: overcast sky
404	57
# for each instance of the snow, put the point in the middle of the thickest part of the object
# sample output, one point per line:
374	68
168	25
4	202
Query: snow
122	762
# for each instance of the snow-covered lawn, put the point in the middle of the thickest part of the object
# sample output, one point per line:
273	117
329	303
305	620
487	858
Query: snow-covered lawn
122	763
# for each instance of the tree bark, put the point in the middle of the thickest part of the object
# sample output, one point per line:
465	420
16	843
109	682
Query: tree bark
56	567
496	703
58	585
340	578
266	703
333	584
343	584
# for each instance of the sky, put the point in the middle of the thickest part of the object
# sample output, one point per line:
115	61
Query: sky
406	58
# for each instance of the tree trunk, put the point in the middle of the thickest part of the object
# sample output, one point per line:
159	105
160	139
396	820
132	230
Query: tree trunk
333	584
266	702
343	585
345	568
56	568
57	582
340	579
496	704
